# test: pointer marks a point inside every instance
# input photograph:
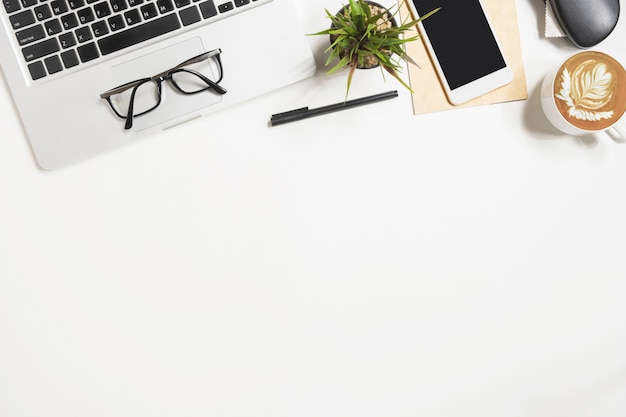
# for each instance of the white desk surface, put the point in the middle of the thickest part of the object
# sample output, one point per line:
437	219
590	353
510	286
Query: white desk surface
364	263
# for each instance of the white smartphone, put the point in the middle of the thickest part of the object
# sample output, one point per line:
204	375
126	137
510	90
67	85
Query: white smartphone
463	48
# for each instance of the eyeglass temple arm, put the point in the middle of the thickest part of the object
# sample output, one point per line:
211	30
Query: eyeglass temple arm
123	87
129	114
199	58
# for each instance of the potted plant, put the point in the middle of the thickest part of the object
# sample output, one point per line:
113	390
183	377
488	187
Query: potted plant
364	34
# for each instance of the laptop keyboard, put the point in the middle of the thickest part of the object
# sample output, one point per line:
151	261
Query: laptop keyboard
56	35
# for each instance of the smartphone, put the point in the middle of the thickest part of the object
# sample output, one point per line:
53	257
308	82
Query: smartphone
463	48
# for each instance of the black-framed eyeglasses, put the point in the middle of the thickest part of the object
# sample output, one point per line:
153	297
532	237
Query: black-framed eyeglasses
144	95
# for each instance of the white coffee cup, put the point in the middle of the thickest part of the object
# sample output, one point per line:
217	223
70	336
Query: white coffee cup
586	94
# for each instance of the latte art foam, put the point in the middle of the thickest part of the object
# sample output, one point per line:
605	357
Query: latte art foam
587	89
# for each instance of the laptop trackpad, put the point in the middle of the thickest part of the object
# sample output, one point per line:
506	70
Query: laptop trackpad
174	104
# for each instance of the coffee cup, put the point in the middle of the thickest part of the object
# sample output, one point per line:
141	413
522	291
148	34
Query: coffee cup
586	94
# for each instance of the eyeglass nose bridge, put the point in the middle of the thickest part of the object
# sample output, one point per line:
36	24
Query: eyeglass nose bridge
162	76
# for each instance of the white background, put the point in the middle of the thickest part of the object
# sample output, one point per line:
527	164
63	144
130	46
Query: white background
363	263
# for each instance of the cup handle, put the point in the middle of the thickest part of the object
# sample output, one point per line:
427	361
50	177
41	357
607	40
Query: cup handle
617	131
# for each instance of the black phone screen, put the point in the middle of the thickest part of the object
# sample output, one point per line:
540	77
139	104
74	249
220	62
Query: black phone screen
462	40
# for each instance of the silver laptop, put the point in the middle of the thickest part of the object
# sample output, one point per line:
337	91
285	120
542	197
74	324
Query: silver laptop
91	75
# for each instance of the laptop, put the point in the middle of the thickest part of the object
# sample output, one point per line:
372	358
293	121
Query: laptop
63	60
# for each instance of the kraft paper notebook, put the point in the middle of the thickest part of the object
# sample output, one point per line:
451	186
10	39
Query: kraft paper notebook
428	94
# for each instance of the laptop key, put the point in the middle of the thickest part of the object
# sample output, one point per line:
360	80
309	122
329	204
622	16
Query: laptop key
118	5
100	28
53	27
85	15
83	34
67	40
88	52
53	64
189	15
165	6
226	7
75	4
30	35
132	17
138	34
208	9
69	21
43	12
116	22
59	6
11	5
102	9
148	11
70	59
37	70
41	49
22	19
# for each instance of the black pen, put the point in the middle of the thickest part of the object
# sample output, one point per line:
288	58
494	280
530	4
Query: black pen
305	112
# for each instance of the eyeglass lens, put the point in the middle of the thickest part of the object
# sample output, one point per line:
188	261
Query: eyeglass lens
146	99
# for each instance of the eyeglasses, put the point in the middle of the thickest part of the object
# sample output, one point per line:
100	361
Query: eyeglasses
144	95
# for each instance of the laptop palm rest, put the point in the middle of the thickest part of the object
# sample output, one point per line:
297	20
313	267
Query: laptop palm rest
174	104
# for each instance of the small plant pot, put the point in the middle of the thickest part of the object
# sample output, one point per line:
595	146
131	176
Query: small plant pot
369	61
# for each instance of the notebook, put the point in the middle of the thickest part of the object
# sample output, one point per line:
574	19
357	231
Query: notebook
60	56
